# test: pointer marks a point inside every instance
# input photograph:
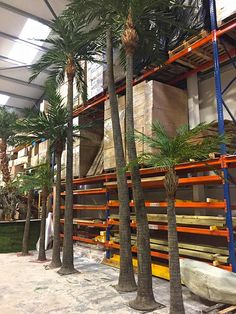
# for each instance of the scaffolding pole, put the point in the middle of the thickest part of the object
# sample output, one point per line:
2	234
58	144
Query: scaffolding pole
221	128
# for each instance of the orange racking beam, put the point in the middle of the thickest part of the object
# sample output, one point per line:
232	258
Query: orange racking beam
203	67
178	204
87	207
219	233
87	192
81	239
87	224
182	181
227	27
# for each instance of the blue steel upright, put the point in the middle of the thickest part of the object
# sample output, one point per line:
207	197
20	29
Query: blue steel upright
108	252
221	129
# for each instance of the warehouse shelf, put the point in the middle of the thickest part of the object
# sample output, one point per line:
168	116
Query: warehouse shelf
152	178
159	255
154	182
209	232
177	68
91	223
171	70
178	204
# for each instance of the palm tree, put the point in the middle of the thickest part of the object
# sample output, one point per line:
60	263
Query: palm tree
93	11
167	152
49	126
158	15
7	122
67	48
26	184
43	176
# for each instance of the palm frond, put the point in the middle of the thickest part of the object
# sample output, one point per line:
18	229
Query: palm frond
167	151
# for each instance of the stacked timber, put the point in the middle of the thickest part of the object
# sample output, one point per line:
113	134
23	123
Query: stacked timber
153	101
205	252
230	132
208	221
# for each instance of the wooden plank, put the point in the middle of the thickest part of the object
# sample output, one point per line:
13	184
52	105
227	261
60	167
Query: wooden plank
183	252
195	247
230	309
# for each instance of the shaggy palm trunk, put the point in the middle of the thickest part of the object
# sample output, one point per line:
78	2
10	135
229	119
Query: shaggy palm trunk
42	251
68	256
126	281
4	161
56	259
25	242
145	299
176	298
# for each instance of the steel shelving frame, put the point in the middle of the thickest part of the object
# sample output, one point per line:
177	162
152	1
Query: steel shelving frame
221	129
218	55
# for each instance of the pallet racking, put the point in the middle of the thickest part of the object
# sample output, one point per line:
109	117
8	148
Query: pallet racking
198	57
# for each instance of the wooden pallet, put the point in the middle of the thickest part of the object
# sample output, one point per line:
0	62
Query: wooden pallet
188	43
220	309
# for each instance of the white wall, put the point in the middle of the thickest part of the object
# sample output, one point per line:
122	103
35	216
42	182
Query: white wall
208	109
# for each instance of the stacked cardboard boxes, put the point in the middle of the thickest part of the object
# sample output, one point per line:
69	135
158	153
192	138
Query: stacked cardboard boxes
153	101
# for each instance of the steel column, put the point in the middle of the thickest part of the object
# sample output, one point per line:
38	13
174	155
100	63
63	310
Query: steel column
221	129
108	252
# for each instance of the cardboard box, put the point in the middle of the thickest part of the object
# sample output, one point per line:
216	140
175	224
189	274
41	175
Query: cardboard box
153	101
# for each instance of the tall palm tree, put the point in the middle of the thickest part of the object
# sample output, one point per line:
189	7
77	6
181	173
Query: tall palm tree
159	16
51	126
94	11
167	152
7	122
68	46
43	176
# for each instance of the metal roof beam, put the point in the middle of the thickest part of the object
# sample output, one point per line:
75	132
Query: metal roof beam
20	82
18	96
50	8
19	40
24	13
13	107
19	64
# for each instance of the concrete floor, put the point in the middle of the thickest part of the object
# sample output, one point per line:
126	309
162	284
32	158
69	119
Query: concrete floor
27	287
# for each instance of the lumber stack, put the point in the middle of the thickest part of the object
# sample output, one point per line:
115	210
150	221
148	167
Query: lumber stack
230	131
205	252
209	221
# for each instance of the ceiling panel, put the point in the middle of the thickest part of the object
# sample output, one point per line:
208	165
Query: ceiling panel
13	16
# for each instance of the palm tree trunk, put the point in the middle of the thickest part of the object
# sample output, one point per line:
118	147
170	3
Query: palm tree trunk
42	253
4	161
68	256
25	242
145	298
176	298
56	259
126	281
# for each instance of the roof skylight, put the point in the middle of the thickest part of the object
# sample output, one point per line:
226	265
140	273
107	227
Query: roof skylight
31	31
3	99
